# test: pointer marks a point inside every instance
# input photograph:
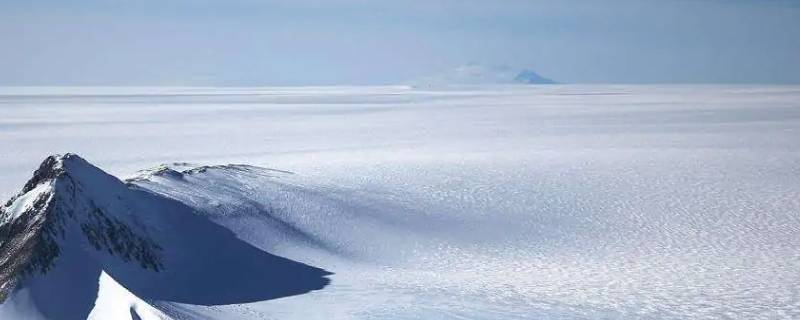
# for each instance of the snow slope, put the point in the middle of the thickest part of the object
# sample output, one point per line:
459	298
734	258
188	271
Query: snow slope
557	202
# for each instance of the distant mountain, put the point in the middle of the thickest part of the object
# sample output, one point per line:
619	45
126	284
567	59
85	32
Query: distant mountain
530	77
477	74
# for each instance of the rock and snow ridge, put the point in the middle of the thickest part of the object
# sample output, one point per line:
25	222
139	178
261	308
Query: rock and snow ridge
76	236
55	203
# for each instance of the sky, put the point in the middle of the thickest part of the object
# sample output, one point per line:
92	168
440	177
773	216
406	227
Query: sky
340	42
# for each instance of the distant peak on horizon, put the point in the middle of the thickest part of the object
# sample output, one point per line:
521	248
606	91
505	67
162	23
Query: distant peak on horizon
474	74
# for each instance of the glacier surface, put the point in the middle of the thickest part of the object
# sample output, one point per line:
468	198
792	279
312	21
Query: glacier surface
481	202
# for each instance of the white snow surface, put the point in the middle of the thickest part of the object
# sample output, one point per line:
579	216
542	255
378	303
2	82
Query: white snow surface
482	202
115	302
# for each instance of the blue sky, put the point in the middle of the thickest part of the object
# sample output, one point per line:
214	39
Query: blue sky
304	42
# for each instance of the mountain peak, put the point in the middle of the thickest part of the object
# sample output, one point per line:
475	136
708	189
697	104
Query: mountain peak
73	223
54	166
68	203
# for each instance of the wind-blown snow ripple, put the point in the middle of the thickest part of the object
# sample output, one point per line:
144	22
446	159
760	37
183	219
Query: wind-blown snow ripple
564	202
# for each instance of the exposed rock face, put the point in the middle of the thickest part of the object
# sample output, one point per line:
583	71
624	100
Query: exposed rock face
26	244
53	208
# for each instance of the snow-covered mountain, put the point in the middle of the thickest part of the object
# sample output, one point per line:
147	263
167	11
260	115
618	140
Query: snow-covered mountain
477	74
77	243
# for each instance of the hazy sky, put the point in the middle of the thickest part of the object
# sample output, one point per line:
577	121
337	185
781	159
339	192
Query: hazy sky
252	42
